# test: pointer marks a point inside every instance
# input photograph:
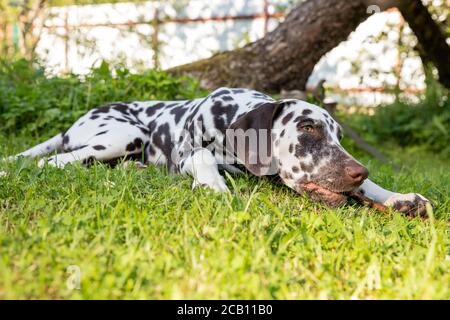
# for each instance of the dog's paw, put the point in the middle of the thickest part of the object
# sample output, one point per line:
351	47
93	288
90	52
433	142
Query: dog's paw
57	162
412	204
41	163
218	184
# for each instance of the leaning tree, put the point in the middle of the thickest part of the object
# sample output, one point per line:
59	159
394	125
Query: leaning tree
285	57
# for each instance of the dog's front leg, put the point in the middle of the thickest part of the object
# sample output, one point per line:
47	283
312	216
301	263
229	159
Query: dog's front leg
409	203
202	166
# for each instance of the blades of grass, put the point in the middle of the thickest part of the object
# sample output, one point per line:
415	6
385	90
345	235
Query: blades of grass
250	198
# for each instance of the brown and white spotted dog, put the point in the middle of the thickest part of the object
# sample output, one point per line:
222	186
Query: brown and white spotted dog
230	129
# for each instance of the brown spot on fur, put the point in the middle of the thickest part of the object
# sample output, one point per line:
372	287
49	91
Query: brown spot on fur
306	167
287	117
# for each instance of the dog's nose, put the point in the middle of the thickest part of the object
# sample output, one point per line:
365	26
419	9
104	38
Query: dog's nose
357	172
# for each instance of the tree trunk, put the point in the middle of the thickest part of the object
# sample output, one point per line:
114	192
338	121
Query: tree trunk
285	58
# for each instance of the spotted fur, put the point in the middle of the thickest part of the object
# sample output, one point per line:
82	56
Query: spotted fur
302	145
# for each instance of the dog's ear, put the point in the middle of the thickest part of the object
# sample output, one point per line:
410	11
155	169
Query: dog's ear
250	136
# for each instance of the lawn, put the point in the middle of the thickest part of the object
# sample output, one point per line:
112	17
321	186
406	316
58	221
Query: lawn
144	234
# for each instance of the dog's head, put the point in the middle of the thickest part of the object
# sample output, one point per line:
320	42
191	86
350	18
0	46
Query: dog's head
303	148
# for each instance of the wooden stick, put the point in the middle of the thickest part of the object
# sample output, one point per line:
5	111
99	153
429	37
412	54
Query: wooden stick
358	196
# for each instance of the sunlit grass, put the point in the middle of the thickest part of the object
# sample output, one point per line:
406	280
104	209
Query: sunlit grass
145	234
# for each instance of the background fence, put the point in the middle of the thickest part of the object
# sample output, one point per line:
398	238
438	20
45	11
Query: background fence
155	34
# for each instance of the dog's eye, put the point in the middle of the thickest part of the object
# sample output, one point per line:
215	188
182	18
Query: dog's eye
308	128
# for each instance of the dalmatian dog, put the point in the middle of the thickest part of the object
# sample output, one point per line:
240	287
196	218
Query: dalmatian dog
231	129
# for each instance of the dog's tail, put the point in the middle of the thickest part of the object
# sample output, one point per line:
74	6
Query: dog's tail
42	149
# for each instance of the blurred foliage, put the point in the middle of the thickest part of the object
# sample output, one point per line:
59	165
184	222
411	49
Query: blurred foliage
21	26
425	123
396	38
60	3
32	103
440	11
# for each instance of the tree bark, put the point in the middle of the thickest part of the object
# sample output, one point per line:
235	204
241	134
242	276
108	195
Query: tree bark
285	57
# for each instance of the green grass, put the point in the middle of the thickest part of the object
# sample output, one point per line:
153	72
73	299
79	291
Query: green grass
145	234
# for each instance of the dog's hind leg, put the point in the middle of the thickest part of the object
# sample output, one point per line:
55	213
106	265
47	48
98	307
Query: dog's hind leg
85	155
124	140
42	149
61	159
